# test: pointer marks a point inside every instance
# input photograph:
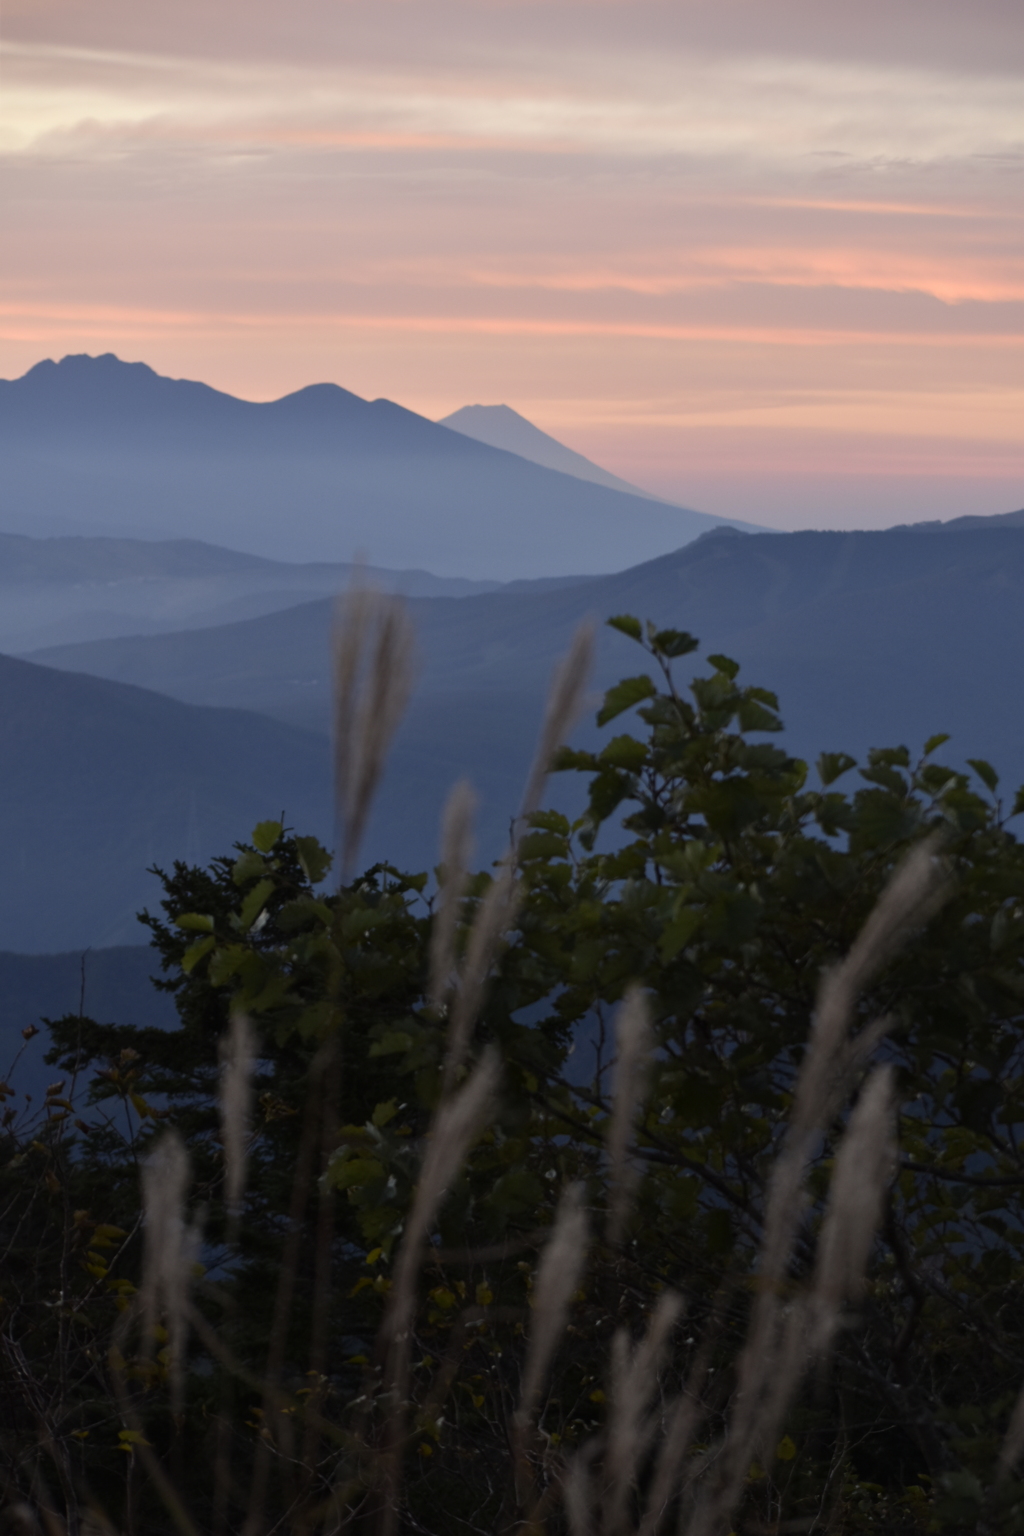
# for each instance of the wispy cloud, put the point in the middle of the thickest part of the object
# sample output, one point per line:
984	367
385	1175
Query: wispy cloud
673	218
764	109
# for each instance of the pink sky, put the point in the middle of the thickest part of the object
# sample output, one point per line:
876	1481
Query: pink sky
767	259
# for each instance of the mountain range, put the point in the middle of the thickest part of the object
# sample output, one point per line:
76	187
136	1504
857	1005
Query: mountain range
869	639
58	590
99	780
502	427
96	446
200	704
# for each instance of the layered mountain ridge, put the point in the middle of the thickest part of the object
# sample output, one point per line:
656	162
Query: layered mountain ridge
868	638
98	446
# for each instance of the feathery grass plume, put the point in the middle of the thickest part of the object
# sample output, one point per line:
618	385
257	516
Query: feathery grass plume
863	1167
1012	1447
495	915
672	1470
238	1058
351	623
578	1491
497	912
774	1353
634	1038
170	1249
373	671
565	701
558	1276
917	889
456	851
456	1124
634	1380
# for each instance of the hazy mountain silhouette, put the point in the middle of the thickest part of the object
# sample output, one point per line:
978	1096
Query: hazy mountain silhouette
98	446
869	639
60	590
99	780
502	427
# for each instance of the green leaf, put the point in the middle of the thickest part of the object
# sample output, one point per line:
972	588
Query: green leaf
890	757
832	766
1018	802
625	752
357	1171
678	933
986	773
312	1022
314	858
248	866
543	845
607	791
195	922
392	1043
626	625
753	716
551	821
195	952
253	904
624	695
225	963
935	742
303	911
266	834
724	664
674	642
384	1112
567	759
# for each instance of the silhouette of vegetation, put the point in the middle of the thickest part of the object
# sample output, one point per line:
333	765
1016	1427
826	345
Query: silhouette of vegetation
635	1246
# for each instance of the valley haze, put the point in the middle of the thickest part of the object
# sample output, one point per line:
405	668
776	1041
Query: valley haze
93	445
169	692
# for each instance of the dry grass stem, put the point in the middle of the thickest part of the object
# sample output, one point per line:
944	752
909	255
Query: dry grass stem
497	912
671	1469
634	1381
373	672
775	1353
1012	1447
564	704
170	1250
495	915
915	891
634	1038
457	1123
863	1167
578	1492
238	1059
456	851
351	623
558	1276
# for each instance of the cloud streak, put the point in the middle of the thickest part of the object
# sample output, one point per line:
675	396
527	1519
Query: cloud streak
646	226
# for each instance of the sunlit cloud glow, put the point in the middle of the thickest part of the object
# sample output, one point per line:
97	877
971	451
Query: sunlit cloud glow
722	268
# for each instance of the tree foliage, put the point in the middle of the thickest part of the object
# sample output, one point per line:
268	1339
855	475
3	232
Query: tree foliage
723	876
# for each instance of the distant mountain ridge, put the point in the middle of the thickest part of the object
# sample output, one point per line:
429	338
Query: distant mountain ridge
102	447
869	638
59	591
99	780
502	427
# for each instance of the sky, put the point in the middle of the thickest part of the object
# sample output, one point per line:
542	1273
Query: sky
764	257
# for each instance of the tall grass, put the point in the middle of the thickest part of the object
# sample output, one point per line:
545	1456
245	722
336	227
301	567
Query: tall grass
663	1461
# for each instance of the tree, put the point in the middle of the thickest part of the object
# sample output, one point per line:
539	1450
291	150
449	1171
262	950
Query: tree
728	887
